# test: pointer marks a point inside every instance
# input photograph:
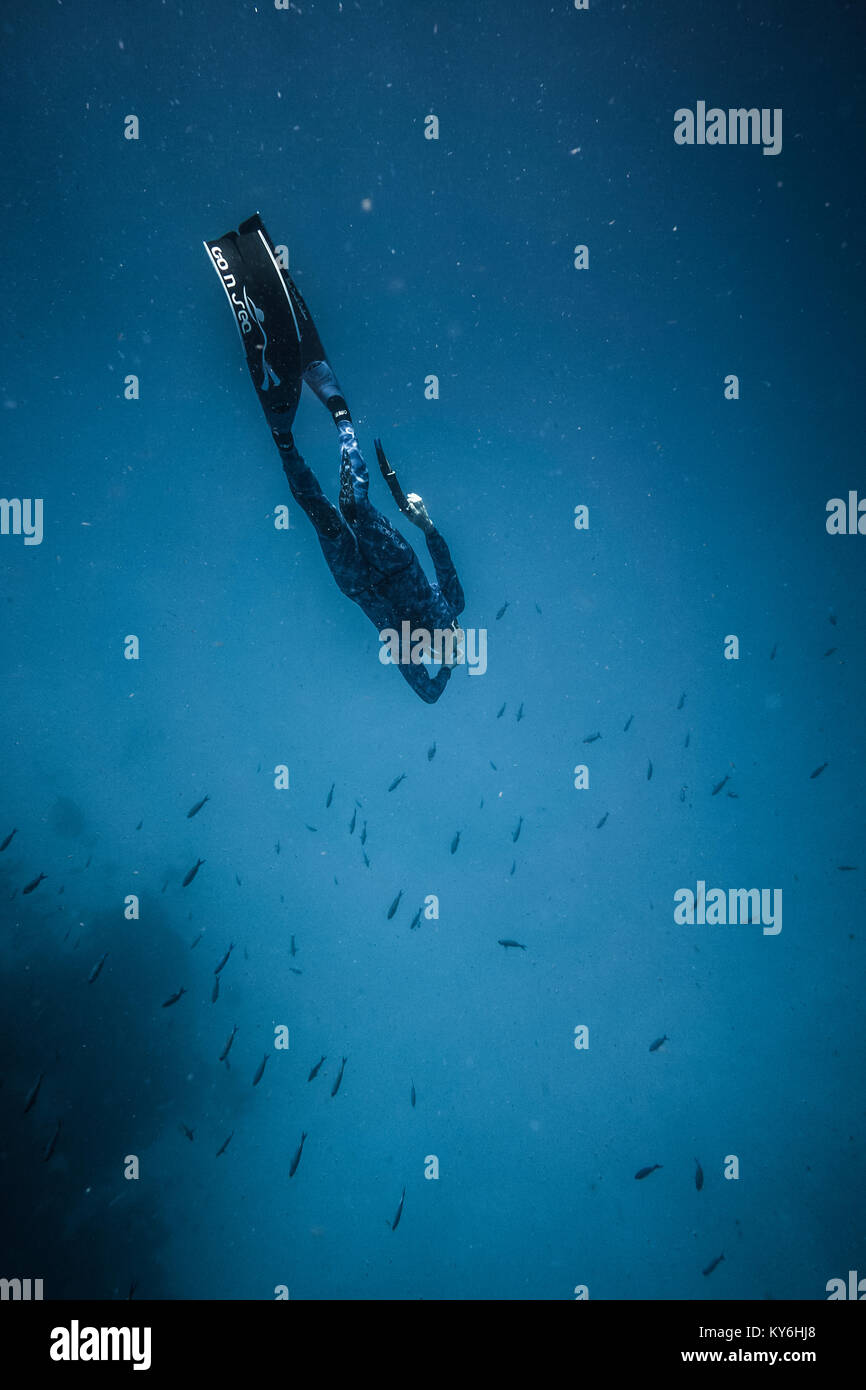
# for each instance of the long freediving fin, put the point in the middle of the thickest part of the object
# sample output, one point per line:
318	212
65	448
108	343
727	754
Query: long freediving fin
265	316
280	339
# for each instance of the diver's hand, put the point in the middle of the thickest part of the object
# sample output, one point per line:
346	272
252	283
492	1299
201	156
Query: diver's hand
417	513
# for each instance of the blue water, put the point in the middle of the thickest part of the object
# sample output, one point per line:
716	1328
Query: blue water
558	387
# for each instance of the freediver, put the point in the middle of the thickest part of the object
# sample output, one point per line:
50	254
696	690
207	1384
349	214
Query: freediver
371	562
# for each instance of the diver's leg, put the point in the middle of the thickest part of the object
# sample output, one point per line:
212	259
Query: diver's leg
383	548
306	490
337	542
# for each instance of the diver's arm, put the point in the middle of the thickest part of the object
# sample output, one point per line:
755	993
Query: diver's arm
416	676
446	574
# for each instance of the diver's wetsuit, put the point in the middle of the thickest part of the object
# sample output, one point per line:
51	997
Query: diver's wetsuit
371	562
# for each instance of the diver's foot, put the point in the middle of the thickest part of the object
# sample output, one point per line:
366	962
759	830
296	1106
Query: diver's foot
417	513
320	378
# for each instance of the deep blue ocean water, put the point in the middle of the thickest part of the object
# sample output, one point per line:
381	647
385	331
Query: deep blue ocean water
558	387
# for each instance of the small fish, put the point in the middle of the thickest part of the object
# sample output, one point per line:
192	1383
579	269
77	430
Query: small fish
364	833
224	1145
314	828
219	967
591	738
317	1068
735	796
515	834
277	846
197	807
228	1047
294	971
830	651
140	824
520	712
260	1070
712	1265
682	700
627	725
7	842
197	940
649	771
330	797
688	739
366	860
502	711
415	920
455	842
412	1096
507	941
513	867
396	782
699	1175
238	880
718	787
832	618
336	1086
481	804
293	950
395	904
192	873
847	868
773	652
96	969
431	752
297	1158
89	861
32	1094
537	609
215	992
36	881
50	1146
396	1222
812	775
184	1129
645	1172
654	1046
173	998
502	611
493	765
353	822
602	821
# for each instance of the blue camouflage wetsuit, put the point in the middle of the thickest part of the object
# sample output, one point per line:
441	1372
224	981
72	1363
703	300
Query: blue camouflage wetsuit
372	563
